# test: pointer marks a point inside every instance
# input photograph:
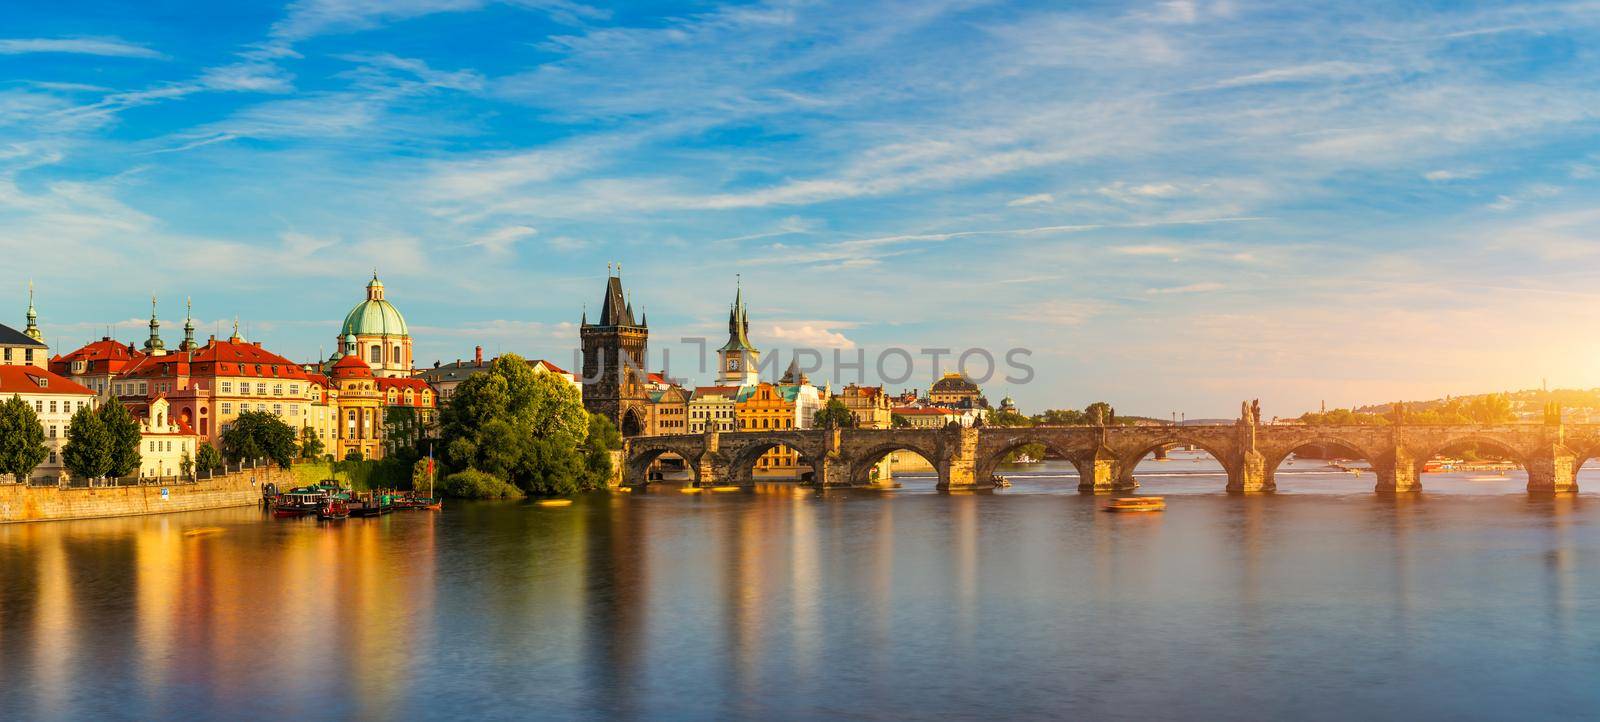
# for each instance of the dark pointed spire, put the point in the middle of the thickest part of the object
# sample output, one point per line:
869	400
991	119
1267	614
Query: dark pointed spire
615	311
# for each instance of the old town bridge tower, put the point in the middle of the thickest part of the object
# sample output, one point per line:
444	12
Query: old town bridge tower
614	351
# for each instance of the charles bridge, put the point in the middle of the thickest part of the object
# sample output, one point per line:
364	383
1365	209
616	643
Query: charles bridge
1105	456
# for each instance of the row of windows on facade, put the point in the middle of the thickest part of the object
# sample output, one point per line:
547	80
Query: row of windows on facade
27	354
66	406
710	413
142	388
783	423
159	445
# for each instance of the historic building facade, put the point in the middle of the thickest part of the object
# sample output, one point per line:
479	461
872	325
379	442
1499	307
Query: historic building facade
54	400
615	349
375	332
738	361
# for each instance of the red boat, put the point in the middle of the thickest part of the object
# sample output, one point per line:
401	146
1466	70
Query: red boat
334	510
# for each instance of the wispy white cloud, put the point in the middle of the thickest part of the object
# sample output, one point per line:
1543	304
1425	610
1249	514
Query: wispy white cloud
1204	287
109	47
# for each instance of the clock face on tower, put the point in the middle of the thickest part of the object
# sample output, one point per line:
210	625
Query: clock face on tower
733	364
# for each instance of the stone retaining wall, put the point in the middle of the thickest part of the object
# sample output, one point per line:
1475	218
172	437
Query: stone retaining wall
20	502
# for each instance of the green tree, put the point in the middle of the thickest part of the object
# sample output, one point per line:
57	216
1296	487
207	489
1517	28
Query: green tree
1007	419
22	447
402	430
1061	417
311	445
186	466
123	432
602	440
1100	413
520	427
899	422
207	458
259	435
88	450
834	414
353	455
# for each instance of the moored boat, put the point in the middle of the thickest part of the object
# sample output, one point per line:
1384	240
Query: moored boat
334	510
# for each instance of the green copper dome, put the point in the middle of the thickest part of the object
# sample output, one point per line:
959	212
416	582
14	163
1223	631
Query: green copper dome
374	316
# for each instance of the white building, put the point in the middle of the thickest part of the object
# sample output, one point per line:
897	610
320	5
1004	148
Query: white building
54	399
164	442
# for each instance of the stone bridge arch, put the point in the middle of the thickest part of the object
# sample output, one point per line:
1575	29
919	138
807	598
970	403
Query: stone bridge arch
1221	442
740	451
861	449
1078	445
1277	444
641	451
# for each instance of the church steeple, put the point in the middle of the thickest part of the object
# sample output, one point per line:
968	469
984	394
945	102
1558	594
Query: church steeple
188	327
154	346
32	331
739	359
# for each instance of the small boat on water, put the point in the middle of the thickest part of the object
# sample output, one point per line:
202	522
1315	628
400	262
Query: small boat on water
1137	504
1025	459
334	510
298	502
374	504
1000	481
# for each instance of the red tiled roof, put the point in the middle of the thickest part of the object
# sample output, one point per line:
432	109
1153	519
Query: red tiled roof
924	411
25	380
728	391
218	358
548	366
106	349
351	367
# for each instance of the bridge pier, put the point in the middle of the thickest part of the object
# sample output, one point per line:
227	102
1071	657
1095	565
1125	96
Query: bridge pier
961	463
1397	472
1250	475
1553	471
1102	473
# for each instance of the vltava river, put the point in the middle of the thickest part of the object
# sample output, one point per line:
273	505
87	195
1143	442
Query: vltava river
1325	601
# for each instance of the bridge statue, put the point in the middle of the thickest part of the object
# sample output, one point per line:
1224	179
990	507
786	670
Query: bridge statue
1105	456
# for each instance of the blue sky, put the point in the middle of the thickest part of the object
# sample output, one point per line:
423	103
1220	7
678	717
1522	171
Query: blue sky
1175	205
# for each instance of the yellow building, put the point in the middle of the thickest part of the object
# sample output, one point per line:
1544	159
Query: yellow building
764	407
869	404
360	414
957	392
667	412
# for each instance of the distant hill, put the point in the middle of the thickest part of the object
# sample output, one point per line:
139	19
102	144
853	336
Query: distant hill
1577	405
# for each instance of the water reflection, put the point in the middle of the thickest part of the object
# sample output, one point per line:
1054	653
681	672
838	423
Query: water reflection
1027	602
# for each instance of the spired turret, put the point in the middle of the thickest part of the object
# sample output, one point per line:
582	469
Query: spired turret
189	344
32	331
739	361
154	346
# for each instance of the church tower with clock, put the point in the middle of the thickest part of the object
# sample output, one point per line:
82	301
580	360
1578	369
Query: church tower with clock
738	361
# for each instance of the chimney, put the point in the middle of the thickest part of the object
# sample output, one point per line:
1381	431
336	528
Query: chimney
477	355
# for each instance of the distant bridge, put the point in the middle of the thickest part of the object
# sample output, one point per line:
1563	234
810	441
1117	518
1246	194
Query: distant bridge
1105	456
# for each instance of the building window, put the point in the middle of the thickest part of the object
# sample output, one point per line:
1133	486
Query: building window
261	407
277	409
227	408
244	389
52	431
227	387
52	406
277	389
294	389
376	353
261	389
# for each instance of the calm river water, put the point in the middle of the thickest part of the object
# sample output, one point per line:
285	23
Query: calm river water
1324	601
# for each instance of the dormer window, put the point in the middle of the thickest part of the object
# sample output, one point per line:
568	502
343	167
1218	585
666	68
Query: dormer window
43	382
